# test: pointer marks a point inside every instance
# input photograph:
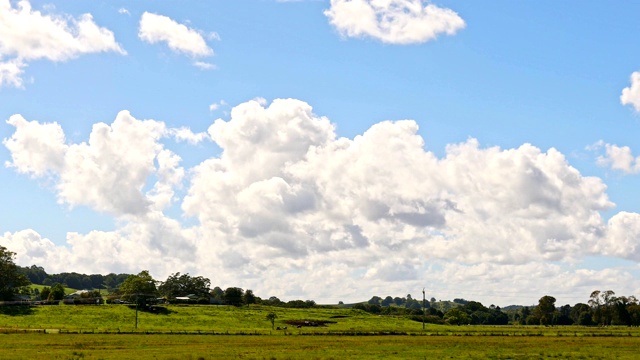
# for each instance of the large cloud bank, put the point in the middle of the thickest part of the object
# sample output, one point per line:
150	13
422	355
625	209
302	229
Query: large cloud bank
290	209
27	35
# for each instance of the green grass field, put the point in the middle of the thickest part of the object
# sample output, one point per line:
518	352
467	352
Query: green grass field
61	346
114	318
214	332
67	290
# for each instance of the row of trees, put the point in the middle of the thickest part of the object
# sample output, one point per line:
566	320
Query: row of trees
603	308
407	302
467	312
73	280
142	286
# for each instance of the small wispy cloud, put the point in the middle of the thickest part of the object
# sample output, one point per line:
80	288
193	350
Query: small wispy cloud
216	105
616	157
204	65
179	38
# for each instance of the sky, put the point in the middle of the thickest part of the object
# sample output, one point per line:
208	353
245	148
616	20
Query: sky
327	150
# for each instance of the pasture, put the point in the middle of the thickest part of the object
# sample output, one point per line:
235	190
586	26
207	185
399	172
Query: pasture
223	332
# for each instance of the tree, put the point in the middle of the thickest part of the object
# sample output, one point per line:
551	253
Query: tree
182	285
387	301
233	296
581	314
272	317
36	274
73	281
139	287
456	316
603	303
525	312
545	309
563	316
56	293
621	315
248	297
374	300
11	278
44	294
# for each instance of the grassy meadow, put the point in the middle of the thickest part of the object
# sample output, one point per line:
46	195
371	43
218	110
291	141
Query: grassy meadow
86	346
67	290
213	332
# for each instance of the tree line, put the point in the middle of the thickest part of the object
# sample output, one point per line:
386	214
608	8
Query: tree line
602	308
73	280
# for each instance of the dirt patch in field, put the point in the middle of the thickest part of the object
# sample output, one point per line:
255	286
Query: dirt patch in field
309	323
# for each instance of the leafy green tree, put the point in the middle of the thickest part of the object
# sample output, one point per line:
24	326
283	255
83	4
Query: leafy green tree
44	293
634	313
596	306
387	301
11	278
603	305
456	316
233	296
56	293
97	281
248	297
73	281
182	285
272	317
525	312
621	314
374	300
545	310
563	316
273	301
139	287
581	314
217	295
36	274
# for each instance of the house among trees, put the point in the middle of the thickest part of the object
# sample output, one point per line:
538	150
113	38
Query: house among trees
188	297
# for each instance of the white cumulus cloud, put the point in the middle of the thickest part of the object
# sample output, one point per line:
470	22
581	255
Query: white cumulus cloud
290	209
156	28
618	158
631	95
109	172
27	34
393	21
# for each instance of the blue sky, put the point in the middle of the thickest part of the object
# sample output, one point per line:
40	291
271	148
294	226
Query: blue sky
515	177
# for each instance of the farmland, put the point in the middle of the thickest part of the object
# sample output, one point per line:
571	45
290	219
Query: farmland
208	332
60	346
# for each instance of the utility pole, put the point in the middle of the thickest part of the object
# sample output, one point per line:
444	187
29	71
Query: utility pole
136	311
424	309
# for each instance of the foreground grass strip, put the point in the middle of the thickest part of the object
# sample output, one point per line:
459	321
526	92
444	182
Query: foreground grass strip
86	346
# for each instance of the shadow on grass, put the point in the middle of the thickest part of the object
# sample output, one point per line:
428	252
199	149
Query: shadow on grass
16	310
158	310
